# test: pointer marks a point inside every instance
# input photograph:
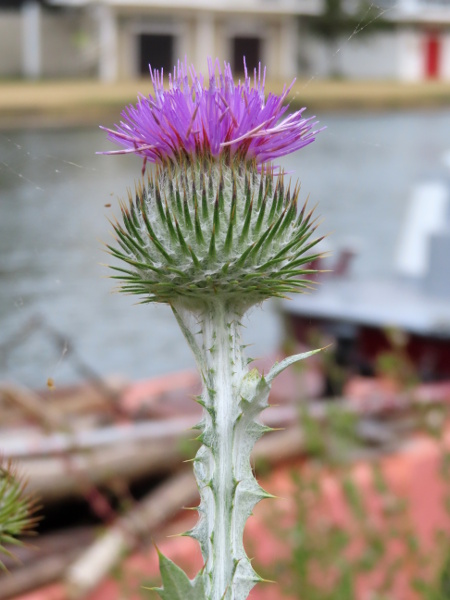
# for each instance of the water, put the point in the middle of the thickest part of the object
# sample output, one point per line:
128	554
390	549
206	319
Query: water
54	202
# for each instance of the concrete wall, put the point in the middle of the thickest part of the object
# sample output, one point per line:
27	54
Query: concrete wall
10	44
373	56
67	44
445	62
410	54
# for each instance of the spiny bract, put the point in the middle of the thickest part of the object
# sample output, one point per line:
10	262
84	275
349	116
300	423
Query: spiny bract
207	229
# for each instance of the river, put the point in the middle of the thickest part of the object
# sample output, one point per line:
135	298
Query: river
55	194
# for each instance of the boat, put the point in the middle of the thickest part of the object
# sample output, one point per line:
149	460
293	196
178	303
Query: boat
407	313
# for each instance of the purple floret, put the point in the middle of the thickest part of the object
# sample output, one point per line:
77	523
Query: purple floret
222	120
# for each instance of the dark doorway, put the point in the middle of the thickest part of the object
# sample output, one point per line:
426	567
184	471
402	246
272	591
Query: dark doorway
156	50
248	47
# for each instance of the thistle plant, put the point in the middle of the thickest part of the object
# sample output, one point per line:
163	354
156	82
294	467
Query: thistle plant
16	509
214	230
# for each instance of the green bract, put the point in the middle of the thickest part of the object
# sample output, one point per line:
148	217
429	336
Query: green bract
16	509
205	230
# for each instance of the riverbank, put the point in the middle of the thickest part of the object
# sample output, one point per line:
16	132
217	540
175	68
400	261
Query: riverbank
73	103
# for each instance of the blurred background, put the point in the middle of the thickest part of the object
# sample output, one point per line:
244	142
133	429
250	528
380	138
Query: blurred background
94	389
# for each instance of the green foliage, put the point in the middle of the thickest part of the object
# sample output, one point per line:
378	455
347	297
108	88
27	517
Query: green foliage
16	510
328	557
176	584
335	20
395	363
331	438
323	563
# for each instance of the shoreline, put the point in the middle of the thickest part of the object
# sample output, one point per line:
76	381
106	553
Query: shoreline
73	103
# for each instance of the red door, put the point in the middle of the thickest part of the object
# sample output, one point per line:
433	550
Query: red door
432	55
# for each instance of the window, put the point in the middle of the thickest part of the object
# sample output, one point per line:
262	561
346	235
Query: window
157	50
248	47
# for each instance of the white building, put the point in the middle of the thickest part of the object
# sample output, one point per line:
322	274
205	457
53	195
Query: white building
117	39
415	48
124	36
425	37
37	40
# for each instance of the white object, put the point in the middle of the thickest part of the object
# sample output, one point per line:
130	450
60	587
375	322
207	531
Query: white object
426	215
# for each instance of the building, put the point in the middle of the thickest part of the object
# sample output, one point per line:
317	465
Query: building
425	42
414	44
121	37
117	39
39	40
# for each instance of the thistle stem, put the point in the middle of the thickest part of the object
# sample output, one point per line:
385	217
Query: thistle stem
221	330
218	465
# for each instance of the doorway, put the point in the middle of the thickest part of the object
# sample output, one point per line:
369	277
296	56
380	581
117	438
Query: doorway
156	50
432	55
248	47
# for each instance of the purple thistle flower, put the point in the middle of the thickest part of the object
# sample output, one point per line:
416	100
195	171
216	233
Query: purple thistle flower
223	120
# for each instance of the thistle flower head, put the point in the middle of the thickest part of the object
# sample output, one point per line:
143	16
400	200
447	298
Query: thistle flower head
214	219
221	120
200	232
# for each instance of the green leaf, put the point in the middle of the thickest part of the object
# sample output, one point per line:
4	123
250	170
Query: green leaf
284	364
176	584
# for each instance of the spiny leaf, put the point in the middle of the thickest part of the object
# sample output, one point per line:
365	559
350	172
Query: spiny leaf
152	234
246	226
284	364
229	238
274	230
133	212
130	225
205	211
244	255
181	239
221	196
259	243
198	229
259	222
260	193
178	200
130	244
273	205
176	584
194	195
159	203
212	245
187	214
216	218
194	257
169	223
248	193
